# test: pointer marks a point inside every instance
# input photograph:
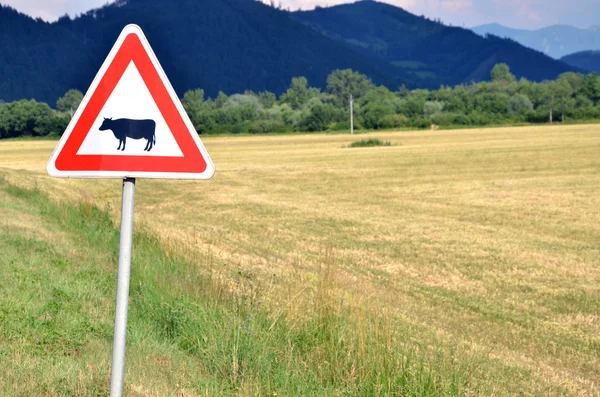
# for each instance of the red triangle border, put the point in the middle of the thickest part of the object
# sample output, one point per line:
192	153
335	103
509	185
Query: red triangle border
131	50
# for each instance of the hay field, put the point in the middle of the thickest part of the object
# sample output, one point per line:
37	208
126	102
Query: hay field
485	242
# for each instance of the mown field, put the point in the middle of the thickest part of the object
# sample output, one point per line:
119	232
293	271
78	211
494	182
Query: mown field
459	262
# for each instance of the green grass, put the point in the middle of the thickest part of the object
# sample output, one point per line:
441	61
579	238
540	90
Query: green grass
370	142
477	250
189	333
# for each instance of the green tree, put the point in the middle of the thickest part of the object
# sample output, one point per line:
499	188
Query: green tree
236	100
374	114
556	94
322	115
221	100
267	99
492	104
58	123
342	84
534	91
575	80
583	102
198	110
501	73
455	100
394	121
432	107
377	95
25	118
299	93
69	102
403	91
520	103
412	106
564	96
590	87
377	104
193	97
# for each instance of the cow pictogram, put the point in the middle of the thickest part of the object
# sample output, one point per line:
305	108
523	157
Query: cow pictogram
134	129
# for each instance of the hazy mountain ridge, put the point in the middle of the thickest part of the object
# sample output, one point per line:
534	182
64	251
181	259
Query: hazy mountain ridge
586	60
428	52
556	41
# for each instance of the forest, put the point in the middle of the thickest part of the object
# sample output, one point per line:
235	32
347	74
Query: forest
503	100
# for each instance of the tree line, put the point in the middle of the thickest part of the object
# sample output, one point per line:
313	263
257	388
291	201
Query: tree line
502	100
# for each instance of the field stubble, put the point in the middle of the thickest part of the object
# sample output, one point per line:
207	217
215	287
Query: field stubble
486	242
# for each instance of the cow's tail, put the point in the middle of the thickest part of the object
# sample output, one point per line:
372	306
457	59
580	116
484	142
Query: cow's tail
154	139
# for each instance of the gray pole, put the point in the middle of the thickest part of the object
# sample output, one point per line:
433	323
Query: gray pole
351	114
118	358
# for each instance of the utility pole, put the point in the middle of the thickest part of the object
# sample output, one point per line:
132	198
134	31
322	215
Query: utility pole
351	114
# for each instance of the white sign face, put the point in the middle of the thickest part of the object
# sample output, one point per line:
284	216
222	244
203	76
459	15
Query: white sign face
130	100
131	123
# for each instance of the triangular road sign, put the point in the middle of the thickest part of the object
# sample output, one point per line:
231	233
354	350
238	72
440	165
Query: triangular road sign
131	123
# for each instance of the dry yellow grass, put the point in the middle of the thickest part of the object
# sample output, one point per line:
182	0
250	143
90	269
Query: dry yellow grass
488	240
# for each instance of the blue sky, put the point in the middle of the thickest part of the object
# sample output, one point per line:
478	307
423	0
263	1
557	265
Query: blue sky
528	14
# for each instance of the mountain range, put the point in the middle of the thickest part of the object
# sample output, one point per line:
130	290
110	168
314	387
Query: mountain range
238	45
425	52
555	41
229	45
585	60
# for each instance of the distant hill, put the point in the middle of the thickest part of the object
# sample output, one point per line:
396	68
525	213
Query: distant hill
586	60
426	52
228	45
555	41
238	45
499	30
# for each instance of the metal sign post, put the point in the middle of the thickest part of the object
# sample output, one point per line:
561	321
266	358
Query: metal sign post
118	357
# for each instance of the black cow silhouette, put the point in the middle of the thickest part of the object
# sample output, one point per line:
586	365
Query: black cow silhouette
134	129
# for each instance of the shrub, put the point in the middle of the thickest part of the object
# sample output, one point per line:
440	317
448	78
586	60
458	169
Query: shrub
420	123
241	128
374	113
321	115
339	126
447	119
266	126
370	142
394	121
537	116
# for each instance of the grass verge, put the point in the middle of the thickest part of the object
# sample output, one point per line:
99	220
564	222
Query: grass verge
189	332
